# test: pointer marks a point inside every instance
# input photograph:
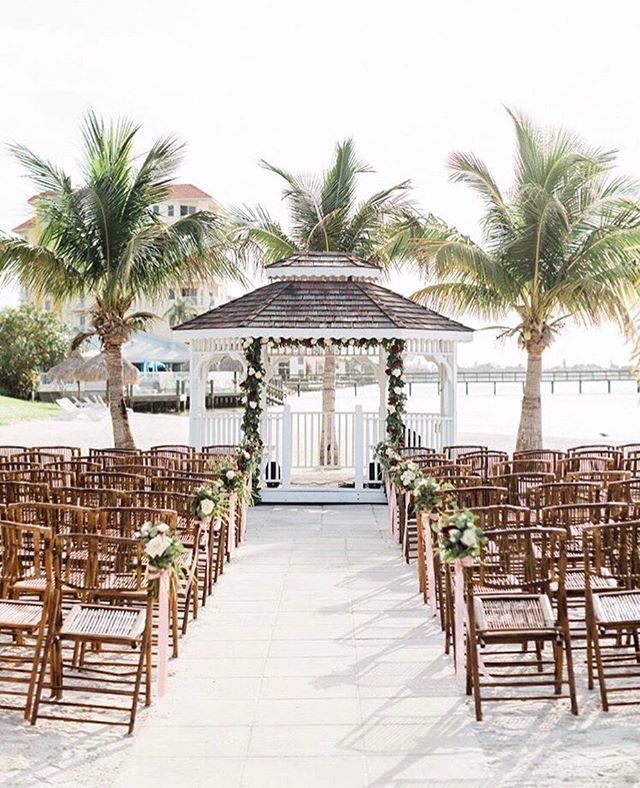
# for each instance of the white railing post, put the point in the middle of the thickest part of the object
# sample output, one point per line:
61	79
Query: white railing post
286	447
196	400
358	449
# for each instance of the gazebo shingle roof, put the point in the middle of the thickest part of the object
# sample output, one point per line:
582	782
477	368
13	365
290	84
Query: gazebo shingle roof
323	304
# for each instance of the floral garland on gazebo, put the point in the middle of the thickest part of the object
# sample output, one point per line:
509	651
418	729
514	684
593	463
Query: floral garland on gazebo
396	397
251	386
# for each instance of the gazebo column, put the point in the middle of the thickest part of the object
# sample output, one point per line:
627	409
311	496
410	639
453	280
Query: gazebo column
197	395
382	387
448	398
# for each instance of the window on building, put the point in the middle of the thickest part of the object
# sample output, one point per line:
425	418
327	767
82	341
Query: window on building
170	209
187	210
191	293
83	321
156	209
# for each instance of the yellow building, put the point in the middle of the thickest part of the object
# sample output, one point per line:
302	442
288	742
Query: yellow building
184	199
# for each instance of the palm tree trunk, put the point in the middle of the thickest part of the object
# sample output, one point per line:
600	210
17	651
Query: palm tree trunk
328	441
530	429
122	435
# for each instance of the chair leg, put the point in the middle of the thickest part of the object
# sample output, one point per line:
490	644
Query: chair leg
472	658
137	683
570	673
557	658
600	669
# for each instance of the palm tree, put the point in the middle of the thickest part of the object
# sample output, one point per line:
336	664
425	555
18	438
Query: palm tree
562	243
180	311
102	240
326	215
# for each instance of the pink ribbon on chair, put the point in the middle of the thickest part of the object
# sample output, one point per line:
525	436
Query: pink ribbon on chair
393	508
243	520
430	564
460	614
163	631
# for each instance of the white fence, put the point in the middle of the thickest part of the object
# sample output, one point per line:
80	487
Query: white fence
293	439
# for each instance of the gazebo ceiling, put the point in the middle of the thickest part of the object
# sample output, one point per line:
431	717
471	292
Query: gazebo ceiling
327	307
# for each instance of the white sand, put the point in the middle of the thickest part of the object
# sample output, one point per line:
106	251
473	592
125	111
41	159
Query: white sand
315	664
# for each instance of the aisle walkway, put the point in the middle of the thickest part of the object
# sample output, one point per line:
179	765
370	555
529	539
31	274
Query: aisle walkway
316	667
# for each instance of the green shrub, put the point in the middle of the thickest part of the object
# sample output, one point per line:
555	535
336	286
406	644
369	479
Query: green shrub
31	341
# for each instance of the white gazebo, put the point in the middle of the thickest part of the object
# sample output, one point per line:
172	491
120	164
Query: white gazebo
319	302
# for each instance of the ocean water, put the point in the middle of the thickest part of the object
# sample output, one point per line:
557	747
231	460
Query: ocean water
592	416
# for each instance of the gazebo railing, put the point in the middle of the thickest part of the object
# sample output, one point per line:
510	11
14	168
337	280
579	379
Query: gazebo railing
293	439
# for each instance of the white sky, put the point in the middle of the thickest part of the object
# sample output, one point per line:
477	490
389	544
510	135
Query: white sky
284	80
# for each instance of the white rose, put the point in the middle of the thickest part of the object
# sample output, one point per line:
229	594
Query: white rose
251	371
391	409
162	528
352	342
396	373
314	341
328	342
206	507
146	528
230	474
246	455
469	537
253	404
277	340
259	375
389	452
156	546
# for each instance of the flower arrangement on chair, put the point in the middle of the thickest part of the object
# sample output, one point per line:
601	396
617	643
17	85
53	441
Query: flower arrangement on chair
460	537
432	496
162	550
209	502
404	475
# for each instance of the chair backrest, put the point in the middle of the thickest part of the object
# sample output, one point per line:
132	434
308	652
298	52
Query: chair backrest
10	451
548	455
90	563
170	450
59	518
625	490
22	492
612	554
453	453
75	466
480	495
502	516
115	481
581	463
124	521
592	449
445	469
522	466
531	560
63	452
181	483
603	478
26	550
519	484
461	481
567	492
581	514
90	497
221	448
411	452
629	449
55	478
483	462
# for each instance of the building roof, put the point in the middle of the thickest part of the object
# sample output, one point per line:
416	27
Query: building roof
359	307
323	260
25	225
187	191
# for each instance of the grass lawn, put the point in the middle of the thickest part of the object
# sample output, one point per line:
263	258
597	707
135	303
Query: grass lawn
14	410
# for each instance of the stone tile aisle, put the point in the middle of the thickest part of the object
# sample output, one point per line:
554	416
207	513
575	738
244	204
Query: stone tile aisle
314	664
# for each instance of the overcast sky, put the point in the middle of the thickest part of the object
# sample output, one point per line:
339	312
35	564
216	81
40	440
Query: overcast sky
284	80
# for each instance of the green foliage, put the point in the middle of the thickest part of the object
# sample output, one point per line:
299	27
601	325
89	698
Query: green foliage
180	311
252	390
30	341
431	495
562	242
326	215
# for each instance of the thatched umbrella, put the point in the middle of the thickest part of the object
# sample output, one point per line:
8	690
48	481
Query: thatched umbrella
78	367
